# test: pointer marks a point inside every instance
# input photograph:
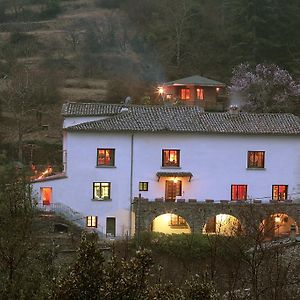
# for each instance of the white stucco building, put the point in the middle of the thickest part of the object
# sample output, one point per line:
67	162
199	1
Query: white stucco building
115	153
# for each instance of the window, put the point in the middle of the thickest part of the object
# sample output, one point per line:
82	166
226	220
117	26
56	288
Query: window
101	190
105	157
200	94
177	221
173	189
238	192
92	221
256	159
170	158
185	94
46	195
143	186
110	226
279	192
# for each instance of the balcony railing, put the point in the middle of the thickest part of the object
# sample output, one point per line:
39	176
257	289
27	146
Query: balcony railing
222	201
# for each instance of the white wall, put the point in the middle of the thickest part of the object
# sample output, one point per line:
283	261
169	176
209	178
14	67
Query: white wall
216	161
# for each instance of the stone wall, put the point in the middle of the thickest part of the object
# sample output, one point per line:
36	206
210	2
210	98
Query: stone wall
197	214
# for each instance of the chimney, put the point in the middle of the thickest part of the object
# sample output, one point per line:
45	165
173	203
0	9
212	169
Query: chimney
234	109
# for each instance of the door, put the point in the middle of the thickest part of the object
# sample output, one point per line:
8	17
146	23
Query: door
111	227
173	189
46	195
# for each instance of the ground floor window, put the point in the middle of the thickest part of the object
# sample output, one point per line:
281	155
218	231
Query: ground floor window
110	226
279	192
170	224
92	221
238	192
101	190
178	221
223	224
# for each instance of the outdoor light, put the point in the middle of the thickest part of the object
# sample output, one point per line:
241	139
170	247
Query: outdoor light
160	90
175	180
217	89
277	219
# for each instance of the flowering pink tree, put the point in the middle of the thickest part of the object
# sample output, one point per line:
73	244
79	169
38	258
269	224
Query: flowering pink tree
265	88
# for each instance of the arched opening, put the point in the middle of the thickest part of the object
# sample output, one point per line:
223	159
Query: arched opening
170	224
223	224
278	225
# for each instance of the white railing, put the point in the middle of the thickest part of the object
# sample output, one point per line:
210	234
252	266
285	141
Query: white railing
70	215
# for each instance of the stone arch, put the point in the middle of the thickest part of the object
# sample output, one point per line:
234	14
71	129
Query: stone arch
278	225
222	224
170	223
151	215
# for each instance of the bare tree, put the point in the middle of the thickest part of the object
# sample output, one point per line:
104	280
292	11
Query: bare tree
26	93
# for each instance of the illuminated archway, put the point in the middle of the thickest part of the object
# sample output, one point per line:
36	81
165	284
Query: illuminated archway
222	224
170	224
278	225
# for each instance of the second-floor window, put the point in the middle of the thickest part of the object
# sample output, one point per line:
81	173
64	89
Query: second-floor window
256	159
105	157
101	190
279	192
238	192
185	94
200	94
170	158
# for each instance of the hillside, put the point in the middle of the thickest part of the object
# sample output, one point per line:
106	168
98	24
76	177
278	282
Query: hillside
105	50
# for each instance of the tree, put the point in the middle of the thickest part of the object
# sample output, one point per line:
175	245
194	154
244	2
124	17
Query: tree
265	88
16	240
263	31
25	93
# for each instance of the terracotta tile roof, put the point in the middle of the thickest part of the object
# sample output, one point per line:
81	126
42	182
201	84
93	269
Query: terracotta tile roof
196	80
193	119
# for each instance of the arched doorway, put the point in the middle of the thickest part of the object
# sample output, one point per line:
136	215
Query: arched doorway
170	224
278	225
222	224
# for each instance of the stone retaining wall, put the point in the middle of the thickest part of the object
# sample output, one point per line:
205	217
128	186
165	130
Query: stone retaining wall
197	214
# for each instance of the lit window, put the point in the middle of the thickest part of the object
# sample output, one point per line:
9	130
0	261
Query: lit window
173	189
279	192
238	192
185	94
178	221
200	94
46	195
256	159
170	158
92	221
101	190
143	186
105	157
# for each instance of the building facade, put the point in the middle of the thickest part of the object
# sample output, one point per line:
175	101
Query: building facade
172	154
